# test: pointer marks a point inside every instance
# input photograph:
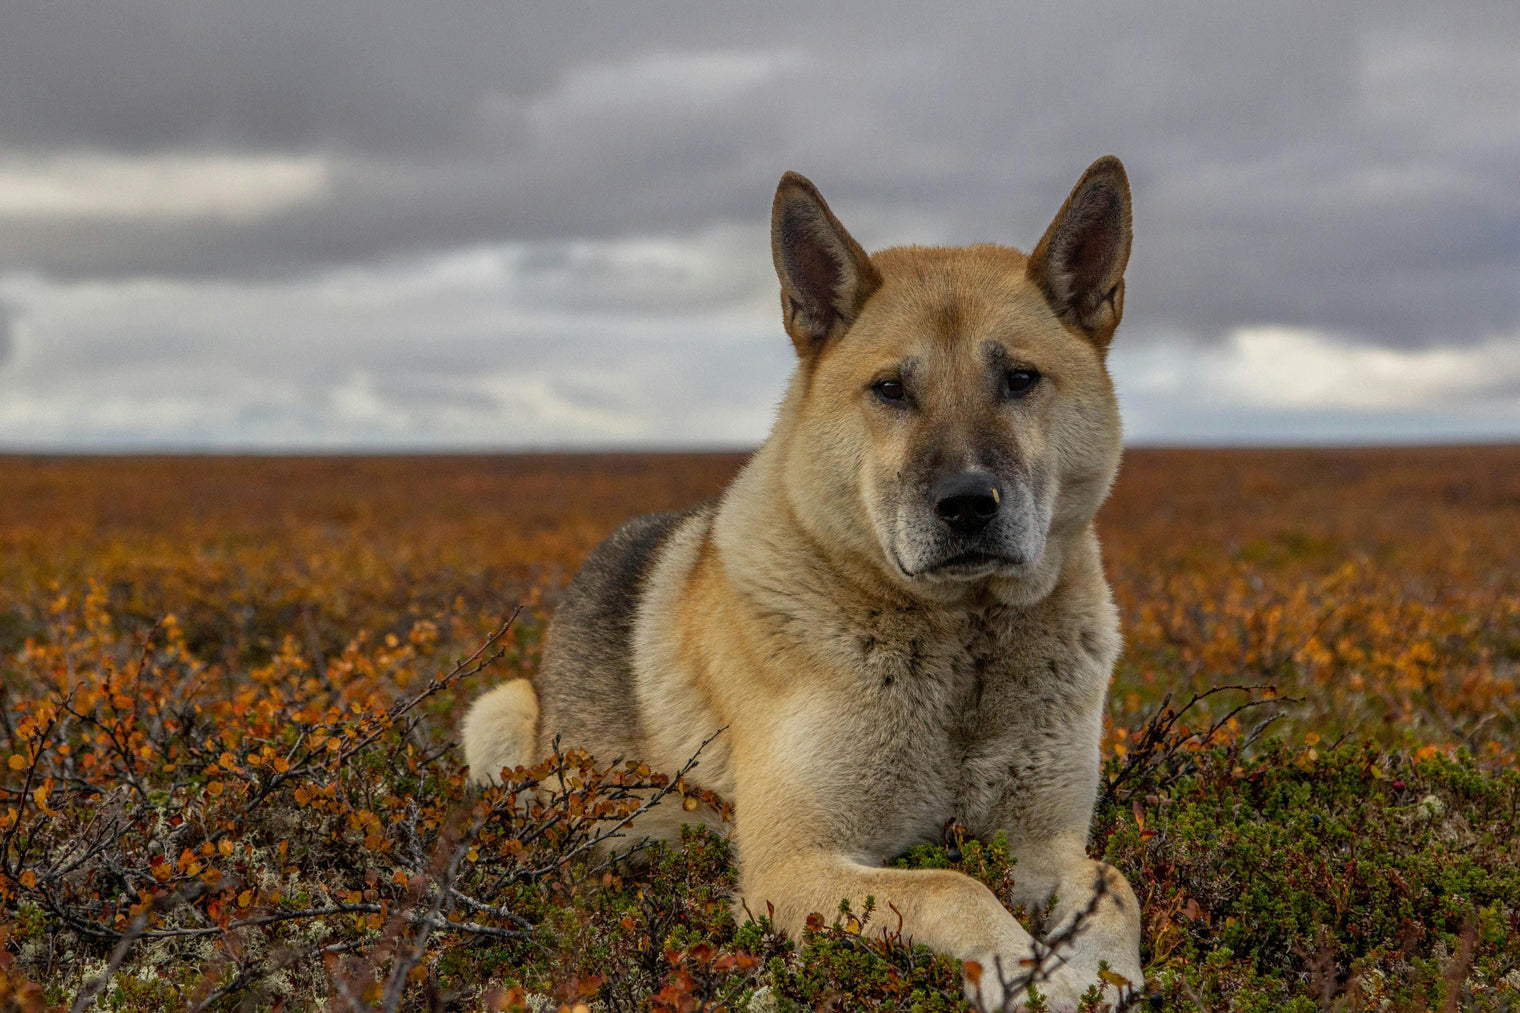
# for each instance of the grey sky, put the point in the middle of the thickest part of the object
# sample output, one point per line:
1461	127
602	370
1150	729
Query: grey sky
344	224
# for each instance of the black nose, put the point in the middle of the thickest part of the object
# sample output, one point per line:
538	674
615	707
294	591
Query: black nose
968	501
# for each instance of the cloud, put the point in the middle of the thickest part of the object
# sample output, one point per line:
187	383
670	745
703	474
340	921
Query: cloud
112	188
1294	368
1270	383
591	98
1368	191
489	347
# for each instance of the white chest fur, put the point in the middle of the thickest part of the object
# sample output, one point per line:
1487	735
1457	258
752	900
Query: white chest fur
990	717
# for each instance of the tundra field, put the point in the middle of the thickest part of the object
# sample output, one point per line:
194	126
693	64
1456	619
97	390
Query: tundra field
231	688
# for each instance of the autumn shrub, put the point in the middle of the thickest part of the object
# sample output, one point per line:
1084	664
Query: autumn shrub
299	838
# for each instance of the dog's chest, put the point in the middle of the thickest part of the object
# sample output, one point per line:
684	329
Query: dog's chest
983	718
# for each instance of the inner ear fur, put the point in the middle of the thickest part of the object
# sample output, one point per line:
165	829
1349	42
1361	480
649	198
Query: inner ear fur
825	275
1080	262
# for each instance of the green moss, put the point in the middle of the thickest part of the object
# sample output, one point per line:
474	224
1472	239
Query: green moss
1298	874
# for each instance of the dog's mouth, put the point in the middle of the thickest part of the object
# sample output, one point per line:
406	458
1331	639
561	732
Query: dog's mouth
973	566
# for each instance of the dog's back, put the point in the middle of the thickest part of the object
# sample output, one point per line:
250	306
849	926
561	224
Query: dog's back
586	686
584	694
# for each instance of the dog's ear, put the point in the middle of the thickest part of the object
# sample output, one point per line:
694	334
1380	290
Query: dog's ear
825	275
1079	264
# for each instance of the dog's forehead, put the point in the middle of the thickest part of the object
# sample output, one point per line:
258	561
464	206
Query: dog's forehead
957	298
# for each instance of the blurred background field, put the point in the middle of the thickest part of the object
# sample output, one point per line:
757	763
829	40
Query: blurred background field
1380	585
229	695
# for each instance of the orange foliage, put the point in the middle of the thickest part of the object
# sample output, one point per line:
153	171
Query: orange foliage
1380	586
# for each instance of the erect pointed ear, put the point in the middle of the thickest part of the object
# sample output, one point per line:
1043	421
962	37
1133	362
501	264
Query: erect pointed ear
1079	265
825	275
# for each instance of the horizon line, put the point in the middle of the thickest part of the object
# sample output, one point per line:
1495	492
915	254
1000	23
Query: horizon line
594	450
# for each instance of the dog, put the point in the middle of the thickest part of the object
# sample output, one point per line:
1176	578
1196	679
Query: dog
896	612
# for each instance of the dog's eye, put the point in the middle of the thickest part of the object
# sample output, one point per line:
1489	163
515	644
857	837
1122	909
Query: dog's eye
890	390
1019	382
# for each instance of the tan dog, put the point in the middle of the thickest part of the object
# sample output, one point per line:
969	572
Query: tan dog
897	609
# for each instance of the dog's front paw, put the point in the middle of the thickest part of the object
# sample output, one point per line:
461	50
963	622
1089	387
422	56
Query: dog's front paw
1000	983
1004	986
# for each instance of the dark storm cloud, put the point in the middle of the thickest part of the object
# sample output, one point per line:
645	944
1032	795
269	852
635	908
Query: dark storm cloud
1291	162
215	189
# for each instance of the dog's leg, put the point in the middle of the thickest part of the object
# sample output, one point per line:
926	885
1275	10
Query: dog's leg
1096	917
940	908
794	836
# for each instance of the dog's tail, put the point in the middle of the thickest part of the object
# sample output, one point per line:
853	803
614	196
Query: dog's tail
501	731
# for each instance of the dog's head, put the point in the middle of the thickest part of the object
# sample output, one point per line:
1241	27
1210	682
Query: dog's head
952	419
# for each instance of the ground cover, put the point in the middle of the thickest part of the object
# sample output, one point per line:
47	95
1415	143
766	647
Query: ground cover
229	689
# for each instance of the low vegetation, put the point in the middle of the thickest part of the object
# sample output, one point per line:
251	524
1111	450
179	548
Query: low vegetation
229	689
